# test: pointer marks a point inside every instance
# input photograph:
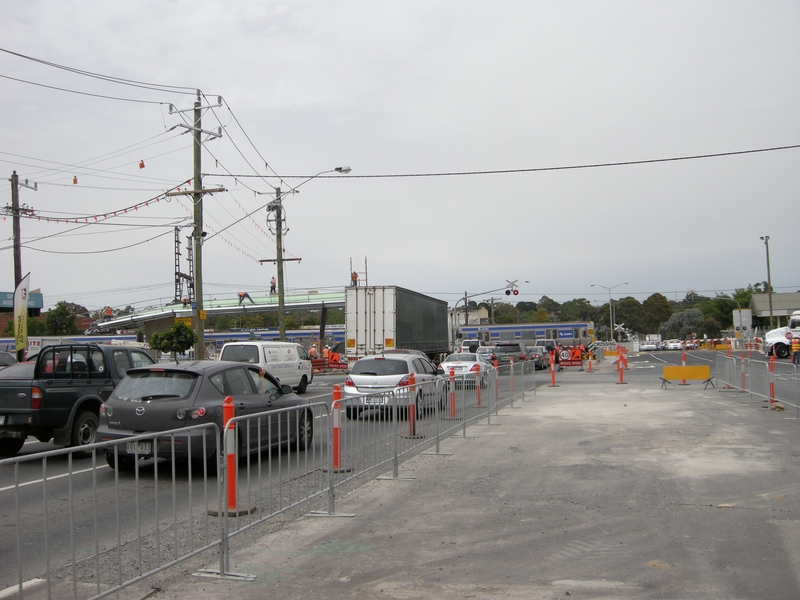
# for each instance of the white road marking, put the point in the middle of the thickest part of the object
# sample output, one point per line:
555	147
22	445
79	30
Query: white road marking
36	481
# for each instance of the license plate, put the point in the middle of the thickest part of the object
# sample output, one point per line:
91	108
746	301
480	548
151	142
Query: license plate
374	400
143	448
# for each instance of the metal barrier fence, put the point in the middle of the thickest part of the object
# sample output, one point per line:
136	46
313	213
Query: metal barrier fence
126	516
772	381
102	529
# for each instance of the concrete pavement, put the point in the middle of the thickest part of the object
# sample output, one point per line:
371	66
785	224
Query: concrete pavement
587	490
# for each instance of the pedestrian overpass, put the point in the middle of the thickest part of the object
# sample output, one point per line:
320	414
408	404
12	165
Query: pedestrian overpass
159	319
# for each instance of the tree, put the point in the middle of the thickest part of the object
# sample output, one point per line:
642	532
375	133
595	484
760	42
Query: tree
550	305
60	320
682	324
178	338
577	310
505	313
657	310
630	312
540	316
525	306
711	327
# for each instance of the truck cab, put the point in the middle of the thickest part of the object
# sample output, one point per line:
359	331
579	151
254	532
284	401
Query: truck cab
779	341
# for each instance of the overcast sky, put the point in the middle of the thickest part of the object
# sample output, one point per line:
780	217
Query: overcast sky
455	117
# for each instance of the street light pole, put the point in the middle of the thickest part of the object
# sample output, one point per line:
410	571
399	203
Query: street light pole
277	207
611	323
769	282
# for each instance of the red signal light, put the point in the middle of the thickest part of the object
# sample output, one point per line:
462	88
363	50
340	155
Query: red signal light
516	292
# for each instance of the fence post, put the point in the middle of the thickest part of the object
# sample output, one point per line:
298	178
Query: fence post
744	377
772	379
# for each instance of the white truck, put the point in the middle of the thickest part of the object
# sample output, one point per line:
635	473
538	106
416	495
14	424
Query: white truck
387	318
779	341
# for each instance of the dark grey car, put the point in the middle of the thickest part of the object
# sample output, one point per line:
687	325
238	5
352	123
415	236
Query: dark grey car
164	397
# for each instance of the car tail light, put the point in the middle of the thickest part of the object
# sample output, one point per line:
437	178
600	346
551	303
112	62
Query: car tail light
404	381
522	356
475	368
36	398
348	382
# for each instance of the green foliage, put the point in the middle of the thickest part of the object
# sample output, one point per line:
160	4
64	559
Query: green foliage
550	305
657	310
577	310
711	327
630	312
682	324
540	316
178	338
525	307
60	320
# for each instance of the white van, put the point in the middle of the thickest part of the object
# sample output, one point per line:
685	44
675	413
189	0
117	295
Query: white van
286	361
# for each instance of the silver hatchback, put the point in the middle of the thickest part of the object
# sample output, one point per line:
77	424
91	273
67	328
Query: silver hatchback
375	381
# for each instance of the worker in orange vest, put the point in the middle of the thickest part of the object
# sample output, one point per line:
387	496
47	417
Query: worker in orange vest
796	350
312	352
326	352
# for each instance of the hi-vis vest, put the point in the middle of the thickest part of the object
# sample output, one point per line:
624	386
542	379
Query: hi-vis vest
795	344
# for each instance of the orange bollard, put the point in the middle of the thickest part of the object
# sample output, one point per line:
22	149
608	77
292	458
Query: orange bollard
496	381
478	380
228	413
511	366
683	364
337	428
621	376
412	406
553	369
590	363
452	393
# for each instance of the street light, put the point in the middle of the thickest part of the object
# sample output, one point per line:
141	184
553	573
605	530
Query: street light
610	310
765	238
277	207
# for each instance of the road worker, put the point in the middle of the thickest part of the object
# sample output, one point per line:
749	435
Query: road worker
796	350
242	296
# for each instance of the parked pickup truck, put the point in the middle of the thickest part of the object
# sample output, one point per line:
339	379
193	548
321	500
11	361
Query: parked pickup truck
58	396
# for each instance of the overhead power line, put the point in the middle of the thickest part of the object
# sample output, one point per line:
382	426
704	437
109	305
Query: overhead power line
529	170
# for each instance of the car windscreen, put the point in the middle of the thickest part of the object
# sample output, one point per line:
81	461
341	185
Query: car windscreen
18	371
379	366
155	385
245	354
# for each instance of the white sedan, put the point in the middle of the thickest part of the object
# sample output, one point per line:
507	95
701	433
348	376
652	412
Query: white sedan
467	367
675	345
647	346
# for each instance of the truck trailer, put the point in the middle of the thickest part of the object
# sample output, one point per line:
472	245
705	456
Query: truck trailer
379	318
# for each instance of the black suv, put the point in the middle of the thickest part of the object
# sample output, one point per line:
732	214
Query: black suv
505	351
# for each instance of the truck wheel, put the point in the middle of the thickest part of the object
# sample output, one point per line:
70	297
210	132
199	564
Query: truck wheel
10	446
781	350
84	431
301	389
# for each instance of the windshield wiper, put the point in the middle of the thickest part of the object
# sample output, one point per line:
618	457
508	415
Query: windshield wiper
159	396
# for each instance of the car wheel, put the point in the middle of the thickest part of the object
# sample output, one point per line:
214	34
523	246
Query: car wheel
781	351
126	463
84	431
301	389
352	412
10	446
305	431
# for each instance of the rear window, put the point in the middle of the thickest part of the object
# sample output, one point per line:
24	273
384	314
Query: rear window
379	366
245	354
460	357
507	349
18	371
154	385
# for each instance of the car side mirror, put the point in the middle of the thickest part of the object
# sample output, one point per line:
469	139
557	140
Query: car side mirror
440	371
286	389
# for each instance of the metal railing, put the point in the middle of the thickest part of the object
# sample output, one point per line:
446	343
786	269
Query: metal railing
770	380
100	527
